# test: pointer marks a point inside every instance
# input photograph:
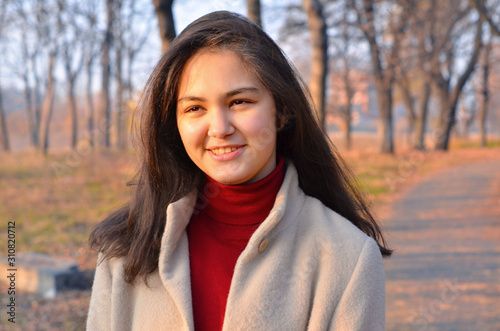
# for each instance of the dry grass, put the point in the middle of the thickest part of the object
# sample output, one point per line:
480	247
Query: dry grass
55	201
383	177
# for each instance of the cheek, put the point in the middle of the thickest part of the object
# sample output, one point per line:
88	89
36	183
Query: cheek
192	135
263	132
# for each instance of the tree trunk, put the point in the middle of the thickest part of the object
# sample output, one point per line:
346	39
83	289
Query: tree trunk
384	78
166	24
106	71
445	130
71	77
483	110
29	112
253	10
421	118
383	83
410	108
119	77
74	113
319	70
348	126
28	96
442	91
466	122
349	92
448	116
386	122
90	103
129	85
4	134
48	106
38	104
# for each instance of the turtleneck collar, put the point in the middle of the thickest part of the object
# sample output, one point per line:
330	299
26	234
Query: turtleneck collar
242	204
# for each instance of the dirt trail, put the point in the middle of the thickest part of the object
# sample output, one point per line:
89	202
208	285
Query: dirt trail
445	272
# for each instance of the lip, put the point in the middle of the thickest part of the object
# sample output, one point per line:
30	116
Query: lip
226	156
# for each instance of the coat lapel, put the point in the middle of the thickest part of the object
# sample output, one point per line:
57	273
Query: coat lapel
174	257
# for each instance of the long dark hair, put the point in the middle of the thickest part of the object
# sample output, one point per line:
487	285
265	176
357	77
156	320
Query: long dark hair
166	172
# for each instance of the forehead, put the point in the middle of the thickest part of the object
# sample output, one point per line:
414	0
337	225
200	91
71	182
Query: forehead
216	68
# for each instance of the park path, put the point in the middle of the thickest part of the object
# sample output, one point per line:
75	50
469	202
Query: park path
445	271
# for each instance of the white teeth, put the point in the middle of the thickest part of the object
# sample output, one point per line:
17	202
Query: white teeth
224	150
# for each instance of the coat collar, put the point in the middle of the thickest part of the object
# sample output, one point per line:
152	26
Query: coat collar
173	264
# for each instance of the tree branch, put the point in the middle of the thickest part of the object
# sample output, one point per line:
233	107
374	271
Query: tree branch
483	13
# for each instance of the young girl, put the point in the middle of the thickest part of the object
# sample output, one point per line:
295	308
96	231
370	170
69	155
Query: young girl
243	216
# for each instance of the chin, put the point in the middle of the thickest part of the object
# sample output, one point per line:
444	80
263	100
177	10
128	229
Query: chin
230	179
230	175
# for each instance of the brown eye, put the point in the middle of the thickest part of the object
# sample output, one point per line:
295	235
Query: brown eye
240	102
193	109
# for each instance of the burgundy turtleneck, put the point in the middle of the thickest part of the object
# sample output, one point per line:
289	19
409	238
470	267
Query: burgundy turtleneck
224	220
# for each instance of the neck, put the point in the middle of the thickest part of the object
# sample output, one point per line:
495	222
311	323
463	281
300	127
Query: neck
241	204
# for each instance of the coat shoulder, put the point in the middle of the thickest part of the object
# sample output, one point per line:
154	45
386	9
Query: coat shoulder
333	232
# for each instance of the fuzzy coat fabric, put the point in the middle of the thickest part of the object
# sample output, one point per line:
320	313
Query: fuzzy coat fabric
304	268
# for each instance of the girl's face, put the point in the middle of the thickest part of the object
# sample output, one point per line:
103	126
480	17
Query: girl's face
226	118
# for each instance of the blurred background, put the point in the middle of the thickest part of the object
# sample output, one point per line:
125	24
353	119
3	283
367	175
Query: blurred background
407	90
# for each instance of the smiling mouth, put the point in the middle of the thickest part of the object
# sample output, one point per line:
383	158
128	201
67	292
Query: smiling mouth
223	150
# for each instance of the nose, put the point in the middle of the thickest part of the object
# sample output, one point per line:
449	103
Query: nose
220	124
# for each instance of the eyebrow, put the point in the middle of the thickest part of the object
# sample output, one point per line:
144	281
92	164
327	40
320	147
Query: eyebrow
228	94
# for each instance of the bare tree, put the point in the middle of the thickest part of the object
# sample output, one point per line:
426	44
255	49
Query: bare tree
120	123
421	118
344	65
485	91
346	109
48	104
31	49
135	39
487	10
106	70
319	65
413	57
406	74
349	94
57	39
4	134
129	41
254	13
40	31
72	54
384	63
165	22
90	40
443	71
422	18
404	82
53	51
44	50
